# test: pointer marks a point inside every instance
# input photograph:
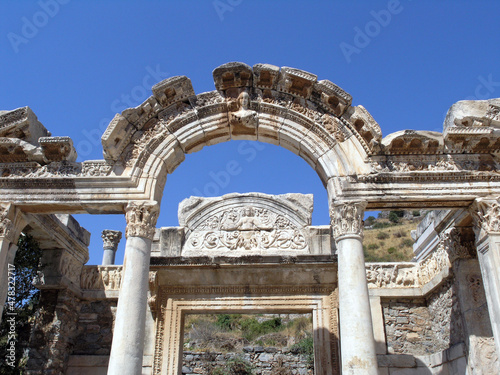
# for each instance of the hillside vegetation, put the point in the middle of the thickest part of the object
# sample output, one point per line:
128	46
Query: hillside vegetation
388	238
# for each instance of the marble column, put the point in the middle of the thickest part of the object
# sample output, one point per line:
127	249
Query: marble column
128	335
357	344
111	239
11	224
486	215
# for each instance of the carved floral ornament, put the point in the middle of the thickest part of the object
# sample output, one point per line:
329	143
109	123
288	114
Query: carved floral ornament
347	218
141	219
486	215
11	221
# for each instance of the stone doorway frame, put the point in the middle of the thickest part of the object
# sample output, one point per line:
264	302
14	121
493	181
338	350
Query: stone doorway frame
177	302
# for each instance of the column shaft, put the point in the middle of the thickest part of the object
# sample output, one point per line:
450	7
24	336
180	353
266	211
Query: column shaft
128	335
127	347
357	344
356	330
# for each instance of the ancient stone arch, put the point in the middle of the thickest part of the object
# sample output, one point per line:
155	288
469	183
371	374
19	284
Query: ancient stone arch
455	170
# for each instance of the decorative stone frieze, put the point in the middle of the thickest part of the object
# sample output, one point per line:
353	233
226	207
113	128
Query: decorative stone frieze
347	219
101	277
233	75
252	223
296	82
141	219
393	275
111	239
366	129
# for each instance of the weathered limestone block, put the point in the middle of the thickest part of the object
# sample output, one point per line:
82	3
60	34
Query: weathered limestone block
232	77
409	142
265	77
116	137
173	90
58	149
331	97
22	123
473	126
296	82
14	150
246	224
366	126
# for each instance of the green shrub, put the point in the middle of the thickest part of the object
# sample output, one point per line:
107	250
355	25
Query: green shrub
252	328
370	220
373	246
399	234
379	225
391	250
306	347
227	322
393	217
416	213
406	243
382	235
234	366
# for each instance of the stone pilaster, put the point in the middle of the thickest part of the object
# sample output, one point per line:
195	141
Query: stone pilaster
111	239
128	336
356	329
486	216
11	224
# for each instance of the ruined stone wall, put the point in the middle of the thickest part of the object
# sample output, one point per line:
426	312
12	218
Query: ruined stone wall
265	361
53	336
95	324
420	326
446	317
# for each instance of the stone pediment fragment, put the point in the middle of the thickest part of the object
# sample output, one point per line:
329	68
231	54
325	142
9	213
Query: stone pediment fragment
58	149
173	90
331	97
21	123
411	142
296	82
366	127
232	75
246	224
473	126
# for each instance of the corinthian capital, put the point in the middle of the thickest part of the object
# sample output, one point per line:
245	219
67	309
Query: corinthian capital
347	218
141	219
486	215
111	239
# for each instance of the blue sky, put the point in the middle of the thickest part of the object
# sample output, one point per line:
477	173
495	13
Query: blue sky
76	63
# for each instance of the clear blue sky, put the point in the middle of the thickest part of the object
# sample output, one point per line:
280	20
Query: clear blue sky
76	63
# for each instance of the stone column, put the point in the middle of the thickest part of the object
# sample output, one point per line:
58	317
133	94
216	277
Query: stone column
111	239
356	330
11	224
128	335
486	215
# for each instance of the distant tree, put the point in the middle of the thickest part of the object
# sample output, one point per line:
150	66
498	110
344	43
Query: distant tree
25	304
393	217
370	220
